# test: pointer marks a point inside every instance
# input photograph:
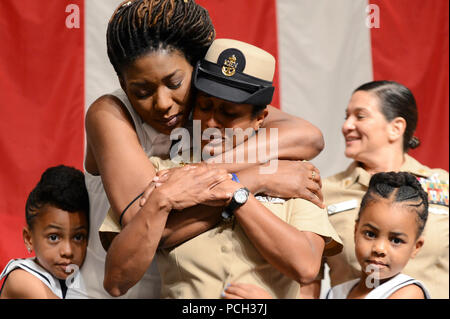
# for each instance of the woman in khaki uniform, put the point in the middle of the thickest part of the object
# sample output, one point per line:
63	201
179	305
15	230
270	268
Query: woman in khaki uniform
380	121
275	245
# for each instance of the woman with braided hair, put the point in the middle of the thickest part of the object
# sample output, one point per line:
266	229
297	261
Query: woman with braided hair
153	46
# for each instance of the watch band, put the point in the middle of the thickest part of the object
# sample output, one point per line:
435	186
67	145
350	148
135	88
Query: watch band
229	210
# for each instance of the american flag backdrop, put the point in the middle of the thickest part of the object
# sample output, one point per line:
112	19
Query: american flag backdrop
53	65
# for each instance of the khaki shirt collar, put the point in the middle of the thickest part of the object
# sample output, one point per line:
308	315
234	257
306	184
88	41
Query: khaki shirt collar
357	174
414	167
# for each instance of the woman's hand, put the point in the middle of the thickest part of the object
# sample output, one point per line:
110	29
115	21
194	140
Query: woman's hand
244	291
291	179
190	185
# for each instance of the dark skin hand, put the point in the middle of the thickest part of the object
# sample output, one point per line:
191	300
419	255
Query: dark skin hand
196	220
132	250
292	179
304	181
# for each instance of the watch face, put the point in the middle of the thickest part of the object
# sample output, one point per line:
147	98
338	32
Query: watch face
241	196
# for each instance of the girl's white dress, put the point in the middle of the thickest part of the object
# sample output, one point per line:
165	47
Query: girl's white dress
383	291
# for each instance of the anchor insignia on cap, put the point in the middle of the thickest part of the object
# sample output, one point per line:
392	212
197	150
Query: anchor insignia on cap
229	66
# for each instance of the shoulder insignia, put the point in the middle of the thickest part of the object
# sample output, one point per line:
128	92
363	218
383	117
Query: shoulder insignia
423	171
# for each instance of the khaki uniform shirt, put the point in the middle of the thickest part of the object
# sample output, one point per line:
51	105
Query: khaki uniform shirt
202	266
343	193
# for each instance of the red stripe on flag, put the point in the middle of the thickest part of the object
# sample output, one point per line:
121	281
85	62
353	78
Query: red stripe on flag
411	47
252	21
42	111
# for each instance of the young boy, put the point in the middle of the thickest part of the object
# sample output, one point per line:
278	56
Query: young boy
57	215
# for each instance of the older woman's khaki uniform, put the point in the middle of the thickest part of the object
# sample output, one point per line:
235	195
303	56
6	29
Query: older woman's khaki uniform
343	193
202	266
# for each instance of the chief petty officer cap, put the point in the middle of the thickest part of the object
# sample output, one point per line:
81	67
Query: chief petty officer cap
237	72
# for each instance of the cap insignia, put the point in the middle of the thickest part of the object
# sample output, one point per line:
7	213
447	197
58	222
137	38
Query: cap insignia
229	66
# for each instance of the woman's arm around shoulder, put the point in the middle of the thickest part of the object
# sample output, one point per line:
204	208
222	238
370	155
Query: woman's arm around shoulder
298	139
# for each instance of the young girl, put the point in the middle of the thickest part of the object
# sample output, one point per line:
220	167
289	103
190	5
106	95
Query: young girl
57	227
388	232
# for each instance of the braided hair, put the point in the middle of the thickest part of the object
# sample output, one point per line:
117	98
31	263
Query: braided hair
138	27
401	187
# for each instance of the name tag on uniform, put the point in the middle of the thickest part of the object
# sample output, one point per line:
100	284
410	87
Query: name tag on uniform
269	199
341	207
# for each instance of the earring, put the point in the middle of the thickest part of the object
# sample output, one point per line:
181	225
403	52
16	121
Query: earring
29	250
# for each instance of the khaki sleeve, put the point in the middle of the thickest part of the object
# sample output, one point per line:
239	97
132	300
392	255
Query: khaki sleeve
109	229
161	164
306	216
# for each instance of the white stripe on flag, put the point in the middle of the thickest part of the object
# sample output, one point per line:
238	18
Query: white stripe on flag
100	76
325	53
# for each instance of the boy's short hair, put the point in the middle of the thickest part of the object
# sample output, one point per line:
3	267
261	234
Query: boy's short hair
237	72
62	187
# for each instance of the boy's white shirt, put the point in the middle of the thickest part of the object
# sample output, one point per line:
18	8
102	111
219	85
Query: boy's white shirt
30	266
